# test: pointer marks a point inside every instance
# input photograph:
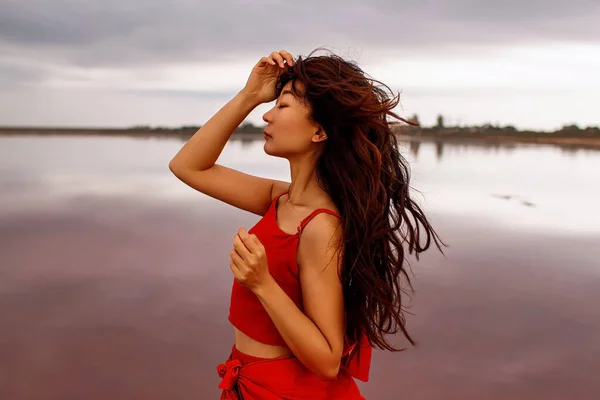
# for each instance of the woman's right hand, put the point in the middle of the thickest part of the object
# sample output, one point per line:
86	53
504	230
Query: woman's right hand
261	83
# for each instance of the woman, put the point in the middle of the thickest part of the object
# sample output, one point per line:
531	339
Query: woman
318	278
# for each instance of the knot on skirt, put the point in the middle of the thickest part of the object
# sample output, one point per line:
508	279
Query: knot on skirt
229	372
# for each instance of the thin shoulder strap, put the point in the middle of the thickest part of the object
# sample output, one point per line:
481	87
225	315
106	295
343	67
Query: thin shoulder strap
306	220
279	195
276	199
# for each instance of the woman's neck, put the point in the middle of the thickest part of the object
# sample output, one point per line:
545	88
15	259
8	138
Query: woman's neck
304	188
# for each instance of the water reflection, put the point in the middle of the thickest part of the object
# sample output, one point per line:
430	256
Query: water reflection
453	177
114	282
414	144
414	148
247	142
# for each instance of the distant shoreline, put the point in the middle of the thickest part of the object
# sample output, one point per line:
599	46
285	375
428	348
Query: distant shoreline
571	142
406	134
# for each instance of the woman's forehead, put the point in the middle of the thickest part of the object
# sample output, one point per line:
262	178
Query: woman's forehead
295	90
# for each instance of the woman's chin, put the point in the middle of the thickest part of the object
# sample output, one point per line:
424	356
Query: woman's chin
268	148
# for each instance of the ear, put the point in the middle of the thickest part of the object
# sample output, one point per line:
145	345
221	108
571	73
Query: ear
319	136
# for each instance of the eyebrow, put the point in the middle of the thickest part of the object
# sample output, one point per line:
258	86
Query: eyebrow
287	91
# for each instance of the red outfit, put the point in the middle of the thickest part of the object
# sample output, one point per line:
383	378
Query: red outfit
283	377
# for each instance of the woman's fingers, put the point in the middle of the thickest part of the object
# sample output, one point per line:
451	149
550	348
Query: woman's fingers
266	60
235	271
236	259
240	247
288	57
278	58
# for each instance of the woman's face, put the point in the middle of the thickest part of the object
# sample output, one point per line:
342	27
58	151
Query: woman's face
290	132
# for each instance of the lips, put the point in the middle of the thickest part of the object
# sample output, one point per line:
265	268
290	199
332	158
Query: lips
266	134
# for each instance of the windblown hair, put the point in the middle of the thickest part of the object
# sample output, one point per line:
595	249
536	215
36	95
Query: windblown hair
367	178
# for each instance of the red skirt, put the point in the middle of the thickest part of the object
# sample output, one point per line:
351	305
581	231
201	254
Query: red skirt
252	378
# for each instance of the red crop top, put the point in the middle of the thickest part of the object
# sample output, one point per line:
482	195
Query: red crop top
248	315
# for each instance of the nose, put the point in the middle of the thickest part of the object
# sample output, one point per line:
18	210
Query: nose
267	116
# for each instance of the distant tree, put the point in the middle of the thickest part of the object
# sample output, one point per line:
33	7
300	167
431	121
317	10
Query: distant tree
440	121
415	119
592	129
141	128
248	127
189	127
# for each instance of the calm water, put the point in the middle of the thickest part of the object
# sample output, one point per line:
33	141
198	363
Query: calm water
114	279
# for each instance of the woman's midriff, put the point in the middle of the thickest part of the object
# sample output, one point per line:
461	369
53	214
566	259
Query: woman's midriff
247	345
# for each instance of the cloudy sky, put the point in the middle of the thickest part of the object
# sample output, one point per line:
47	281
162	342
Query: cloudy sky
530	63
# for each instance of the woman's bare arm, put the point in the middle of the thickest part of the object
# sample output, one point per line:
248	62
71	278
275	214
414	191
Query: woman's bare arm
315	336
195	164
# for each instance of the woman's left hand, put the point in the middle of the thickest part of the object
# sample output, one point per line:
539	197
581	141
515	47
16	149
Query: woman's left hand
249	260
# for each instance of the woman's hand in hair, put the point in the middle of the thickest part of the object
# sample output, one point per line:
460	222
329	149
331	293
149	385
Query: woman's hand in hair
260	86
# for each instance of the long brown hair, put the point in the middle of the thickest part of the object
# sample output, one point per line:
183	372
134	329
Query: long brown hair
363	171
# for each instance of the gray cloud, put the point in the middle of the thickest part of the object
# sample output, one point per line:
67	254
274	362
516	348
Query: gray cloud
220	95
131	32
12	76
56	41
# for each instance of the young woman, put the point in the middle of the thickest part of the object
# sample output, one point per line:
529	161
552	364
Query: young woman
318	280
